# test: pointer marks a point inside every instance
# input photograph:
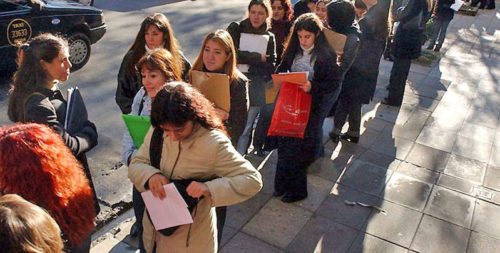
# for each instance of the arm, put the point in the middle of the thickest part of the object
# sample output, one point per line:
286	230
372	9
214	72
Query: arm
238	181
327	75
125	91
350	52
243	57
267	68
39	109
239	108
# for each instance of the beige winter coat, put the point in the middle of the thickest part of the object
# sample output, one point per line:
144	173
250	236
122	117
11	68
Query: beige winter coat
204	154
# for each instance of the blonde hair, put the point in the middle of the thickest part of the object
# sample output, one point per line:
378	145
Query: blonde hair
25	227
224	39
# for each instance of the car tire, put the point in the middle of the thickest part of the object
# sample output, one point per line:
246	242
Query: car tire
79	50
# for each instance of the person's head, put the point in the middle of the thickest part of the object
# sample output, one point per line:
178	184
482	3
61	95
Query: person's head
320	10
155	32
282	10
37	165
156	68
340	15
360	8
41	61
25	227
178	108
369	3
259	12
311	4
218	55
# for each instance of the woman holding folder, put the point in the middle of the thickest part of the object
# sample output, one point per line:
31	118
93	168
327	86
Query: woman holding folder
194	146
307	50
155	32
156	68
248	35
35	97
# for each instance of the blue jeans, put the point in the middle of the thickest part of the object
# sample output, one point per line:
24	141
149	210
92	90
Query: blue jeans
438	33
244	140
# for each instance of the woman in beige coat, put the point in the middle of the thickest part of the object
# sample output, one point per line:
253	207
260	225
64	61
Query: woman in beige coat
195	146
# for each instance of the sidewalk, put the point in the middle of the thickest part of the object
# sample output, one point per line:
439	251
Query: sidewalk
433	165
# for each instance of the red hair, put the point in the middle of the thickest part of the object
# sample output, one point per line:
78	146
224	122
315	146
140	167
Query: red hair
37	165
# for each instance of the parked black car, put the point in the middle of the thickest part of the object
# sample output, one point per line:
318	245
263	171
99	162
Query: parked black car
21	20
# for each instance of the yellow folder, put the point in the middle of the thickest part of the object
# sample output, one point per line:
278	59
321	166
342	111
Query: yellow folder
214	86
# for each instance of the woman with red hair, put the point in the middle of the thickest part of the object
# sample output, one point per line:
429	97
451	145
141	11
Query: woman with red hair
281	23
37	165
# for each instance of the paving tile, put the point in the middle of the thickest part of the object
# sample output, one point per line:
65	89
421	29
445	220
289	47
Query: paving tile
473	149
480	243
438	138
239	215
478	115
411	129
323	235
450	206
465	168
366	243
242	242
227	234
407	191
366	177
477	132
387	113
492	178
495	156
375	124
112	245
428	157
390	146
417	172
330	168
344	147
435	235
379	159
368	137
287	220
398	226
487	218
426	91
457	184
336	210
267	172
317	189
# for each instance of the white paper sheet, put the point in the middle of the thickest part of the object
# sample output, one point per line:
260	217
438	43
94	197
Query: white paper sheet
169	212
456	6
255	43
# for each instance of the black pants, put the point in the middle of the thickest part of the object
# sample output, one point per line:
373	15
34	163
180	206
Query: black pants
265	117
397	82
347	109
221	220
139	207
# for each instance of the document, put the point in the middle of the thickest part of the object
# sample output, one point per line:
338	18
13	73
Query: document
214	86
292	77
255	43
336	40
170	212
76	112
137	126
457	5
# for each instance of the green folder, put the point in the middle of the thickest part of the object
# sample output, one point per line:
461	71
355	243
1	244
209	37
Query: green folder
137	126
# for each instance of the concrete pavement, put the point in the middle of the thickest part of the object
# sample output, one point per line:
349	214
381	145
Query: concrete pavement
432	165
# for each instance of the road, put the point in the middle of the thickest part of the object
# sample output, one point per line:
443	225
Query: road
191	21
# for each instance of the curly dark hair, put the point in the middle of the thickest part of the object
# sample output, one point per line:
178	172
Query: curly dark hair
178	102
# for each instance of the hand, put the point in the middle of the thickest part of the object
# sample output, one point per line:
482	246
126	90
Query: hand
197	189
223	115
263	57
305	86
156	183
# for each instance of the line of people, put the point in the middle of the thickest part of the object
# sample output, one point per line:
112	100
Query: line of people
191	139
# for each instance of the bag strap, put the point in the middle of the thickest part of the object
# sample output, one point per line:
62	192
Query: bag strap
141	105
155	147
36	93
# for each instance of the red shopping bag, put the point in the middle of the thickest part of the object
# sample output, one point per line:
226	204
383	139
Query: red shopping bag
291	112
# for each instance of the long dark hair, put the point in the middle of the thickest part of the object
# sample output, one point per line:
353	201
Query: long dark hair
177	103
287	7
340	15
161	22
266	5
311	23
30	74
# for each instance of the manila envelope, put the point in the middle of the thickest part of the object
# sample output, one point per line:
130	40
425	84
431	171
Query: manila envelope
336	40
278	79
214	86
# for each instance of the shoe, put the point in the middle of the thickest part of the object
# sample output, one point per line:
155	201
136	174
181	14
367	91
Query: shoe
334	137
261	153
430	47
386	101
349	138
134	230
288	198
278	193
436	49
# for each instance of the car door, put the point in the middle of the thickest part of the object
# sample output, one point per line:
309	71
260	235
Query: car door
15	27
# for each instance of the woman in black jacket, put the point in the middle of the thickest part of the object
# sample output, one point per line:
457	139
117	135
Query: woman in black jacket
359	83
306	50
35	95
155	32
442	16
260	67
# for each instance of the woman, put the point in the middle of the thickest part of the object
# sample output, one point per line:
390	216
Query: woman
360	81
281	23
303	6
320	11
194	147
260	68
155	32
37	165
306	50
25	227
442	16
156	68
407	46
35	95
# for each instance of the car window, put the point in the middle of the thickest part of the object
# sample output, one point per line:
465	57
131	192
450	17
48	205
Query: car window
13	5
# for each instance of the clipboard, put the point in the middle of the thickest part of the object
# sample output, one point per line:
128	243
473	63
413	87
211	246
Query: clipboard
76	112
292	77
336	40
214	86
137	126
255	43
